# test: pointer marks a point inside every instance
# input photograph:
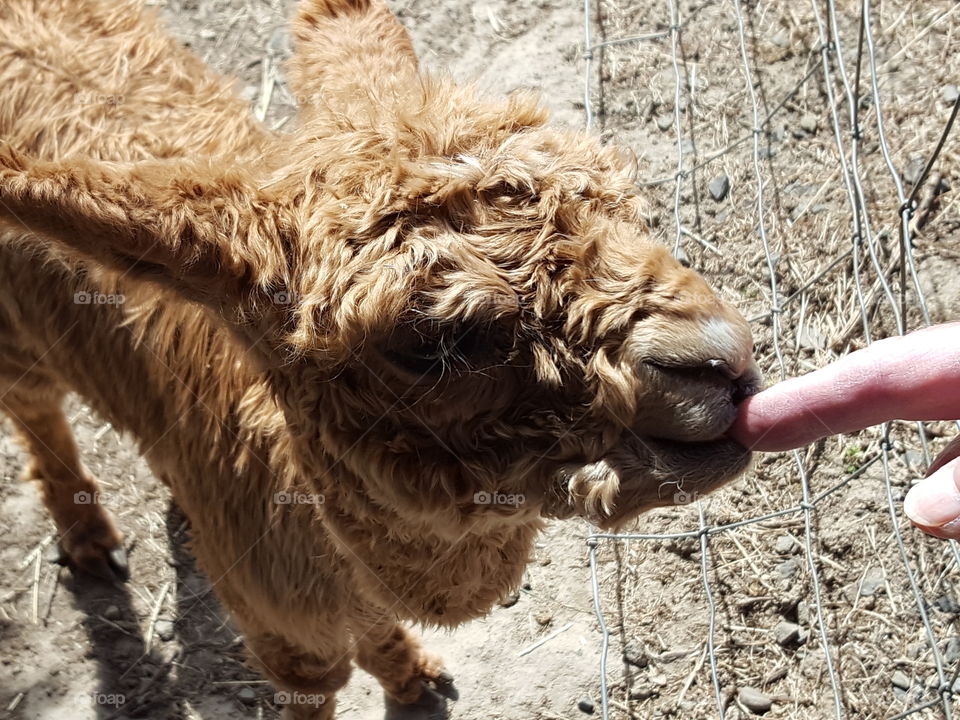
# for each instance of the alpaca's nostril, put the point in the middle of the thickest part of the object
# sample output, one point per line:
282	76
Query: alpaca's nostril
746	384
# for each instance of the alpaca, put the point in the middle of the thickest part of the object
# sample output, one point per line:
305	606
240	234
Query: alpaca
370	357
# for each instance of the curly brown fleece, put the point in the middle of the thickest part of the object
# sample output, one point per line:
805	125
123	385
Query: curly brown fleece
368	356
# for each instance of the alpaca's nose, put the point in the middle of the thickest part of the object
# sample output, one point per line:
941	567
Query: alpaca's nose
738	381
695	371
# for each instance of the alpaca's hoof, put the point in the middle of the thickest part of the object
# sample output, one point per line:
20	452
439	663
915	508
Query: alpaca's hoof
431	674
93	558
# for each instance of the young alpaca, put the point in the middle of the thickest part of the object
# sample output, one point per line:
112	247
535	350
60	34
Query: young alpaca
368	357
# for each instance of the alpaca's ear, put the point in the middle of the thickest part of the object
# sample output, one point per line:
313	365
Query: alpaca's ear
204	232
347	53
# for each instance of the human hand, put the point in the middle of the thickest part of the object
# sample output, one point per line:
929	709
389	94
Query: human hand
914	377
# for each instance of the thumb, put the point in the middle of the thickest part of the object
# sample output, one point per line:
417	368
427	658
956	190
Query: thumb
933	504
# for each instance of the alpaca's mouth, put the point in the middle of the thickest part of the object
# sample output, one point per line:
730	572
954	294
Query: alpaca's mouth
644	472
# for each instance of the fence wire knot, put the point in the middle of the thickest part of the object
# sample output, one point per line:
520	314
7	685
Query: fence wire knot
908	208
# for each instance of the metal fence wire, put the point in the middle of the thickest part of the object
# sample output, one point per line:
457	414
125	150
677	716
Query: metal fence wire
844	71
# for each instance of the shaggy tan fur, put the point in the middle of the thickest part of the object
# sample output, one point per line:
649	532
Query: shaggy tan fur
368	357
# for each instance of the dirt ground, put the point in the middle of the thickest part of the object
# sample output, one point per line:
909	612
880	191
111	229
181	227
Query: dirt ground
72	649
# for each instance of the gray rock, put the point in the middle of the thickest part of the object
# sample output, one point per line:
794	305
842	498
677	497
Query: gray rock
788	568
950	94
754	700
809	123
900	680
719	187
911	173
872	582
510	600
781	39
787	633
636	655
665	122
585	705
952	652
164	630
279	42
112	613
947	604
247	696
645	692
915	460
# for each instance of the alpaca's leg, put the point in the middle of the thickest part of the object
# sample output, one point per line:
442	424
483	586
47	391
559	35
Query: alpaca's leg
393	655
307	681
87	535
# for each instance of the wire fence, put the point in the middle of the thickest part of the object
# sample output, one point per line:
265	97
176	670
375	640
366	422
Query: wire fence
845	65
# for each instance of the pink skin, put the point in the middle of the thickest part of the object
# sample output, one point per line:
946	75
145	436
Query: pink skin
915	377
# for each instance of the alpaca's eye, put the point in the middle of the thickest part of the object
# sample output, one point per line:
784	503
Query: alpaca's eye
452	349
420	360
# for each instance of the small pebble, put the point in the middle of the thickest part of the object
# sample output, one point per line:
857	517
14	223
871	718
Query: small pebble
510	600
788	568
164	630
900	680
872	582
636	655
665	122
279	42
809	123
787	633
951	93
781	39
947	604
585	705
754	700
543	618
719	187
645	692
952	653
247	696
112	613
914	169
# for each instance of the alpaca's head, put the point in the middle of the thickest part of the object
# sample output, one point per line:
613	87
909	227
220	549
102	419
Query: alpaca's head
462	311
485	328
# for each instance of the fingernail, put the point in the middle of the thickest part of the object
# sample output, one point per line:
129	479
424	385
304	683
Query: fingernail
934	501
